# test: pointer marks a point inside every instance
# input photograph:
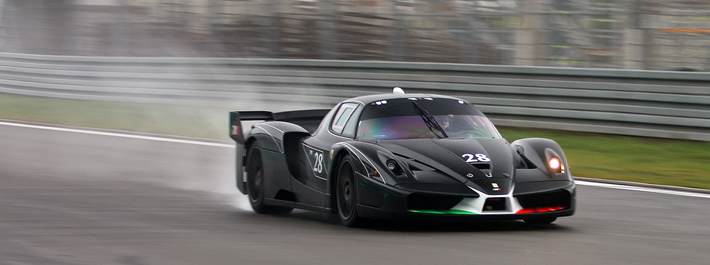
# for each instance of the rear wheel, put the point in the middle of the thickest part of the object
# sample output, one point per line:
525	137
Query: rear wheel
256	183
346	194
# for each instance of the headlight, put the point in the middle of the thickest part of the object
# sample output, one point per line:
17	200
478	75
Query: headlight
394	167
556	165
391	165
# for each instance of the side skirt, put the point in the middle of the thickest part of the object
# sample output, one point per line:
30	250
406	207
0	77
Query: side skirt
297	205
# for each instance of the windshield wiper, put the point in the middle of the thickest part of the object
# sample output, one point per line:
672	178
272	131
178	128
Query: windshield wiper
431	122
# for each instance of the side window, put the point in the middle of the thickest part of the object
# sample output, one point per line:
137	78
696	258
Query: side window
341	118
351	126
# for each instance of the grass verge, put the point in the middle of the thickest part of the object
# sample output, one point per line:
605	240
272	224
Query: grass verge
192	121
627	158
647	160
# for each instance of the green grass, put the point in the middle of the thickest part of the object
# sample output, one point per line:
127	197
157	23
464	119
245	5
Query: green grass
638	159
648	160
192	121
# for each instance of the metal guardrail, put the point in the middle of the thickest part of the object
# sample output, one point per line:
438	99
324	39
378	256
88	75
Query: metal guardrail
638	34
643	103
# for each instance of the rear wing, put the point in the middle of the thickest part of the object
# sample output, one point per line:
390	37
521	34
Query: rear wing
308	119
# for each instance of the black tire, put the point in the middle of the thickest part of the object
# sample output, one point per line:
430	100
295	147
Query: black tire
346	192
255	183
540	221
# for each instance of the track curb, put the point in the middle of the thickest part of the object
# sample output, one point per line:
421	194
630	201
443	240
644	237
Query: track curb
645	185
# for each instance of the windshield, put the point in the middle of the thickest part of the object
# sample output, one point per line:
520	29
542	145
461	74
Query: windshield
403	119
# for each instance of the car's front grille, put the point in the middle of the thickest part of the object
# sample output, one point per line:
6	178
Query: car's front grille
423	201
495	204
548	199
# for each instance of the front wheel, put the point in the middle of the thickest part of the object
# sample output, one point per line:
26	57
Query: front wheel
256	183
346	195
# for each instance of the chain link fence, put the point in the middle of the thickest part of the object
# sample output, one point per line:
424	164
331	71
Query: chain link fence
628	34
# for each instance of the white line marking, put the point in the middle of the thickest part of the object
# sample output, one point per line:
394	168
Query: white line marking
150	138
161	139
644	189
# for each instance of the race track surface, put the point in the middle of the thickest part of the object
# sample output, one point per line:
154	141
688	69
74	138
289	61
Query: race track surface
69	197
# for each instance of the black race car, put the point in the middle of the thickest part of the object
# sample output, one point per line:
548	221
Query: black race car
398	155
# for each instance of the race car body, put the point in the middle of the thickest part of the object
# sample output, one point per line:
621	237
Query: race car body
398	155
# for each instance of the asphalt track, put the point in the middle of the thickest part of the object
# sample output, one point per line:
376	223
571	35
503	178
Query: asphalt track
84	197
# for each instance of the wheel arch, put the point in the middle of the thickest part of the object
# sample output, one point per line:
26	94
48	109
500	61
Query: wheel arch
247	144
364	155
272	136
539	150
337	154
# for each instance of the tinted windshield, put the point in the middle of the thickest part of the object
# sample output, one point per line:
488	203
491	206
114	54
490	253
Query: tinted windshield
401	119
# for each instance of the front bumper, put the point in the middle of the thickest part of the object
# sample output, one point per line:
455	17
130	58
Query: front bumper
533	200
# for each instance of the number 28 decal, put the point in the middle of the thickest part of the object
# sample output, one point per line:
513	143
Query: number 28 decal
318	165
315	157
473	158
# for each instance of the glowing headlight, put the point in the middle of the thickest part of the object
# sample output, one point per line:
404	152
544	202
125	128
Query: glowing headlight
555	164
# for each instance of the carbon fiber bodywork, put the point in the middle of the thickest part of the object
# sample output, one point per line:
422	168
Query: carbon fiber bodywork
406	161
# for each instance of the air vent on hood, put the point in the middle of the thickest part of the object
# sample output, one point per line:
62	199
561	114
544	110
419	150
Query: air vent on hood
413	164
523	162
482	166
